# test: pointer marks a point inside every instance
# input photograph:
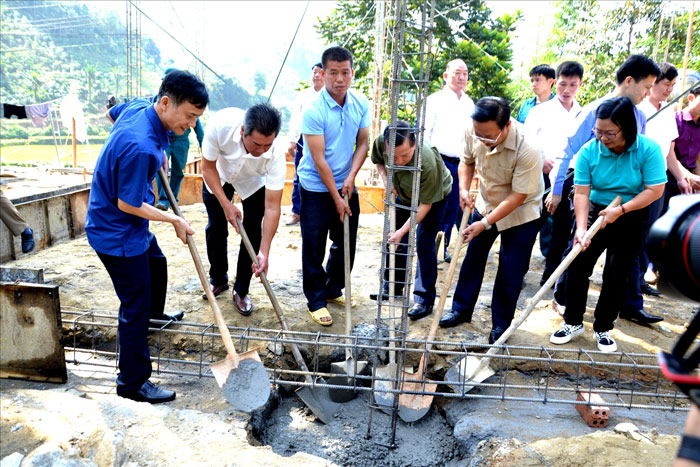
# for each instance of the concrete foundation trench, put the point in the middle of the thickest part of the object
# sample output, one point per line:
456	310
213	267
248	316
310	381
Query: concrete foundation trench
505	422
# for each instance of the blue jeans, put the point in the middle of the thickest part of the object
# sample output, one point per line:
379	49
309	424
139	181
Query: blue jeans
426	271
453	212
320	221
296	195
140	283
177	157
516	248
217	234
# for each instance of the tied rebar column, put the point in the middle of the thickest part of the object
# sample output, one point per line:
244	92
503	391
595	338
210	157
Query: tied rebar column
133	50
409	87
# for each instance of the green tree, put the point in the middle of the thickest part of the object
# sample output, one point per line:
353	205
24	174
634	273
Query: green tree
260	82
90	77
462	30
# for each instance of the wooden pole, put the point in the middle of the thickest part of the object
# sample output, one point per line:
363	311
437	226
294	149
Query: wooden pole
688	38
75	149
668	39
658	36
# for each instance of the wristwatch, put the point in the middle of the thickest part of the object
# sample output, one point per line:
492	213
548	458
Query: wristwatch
487	226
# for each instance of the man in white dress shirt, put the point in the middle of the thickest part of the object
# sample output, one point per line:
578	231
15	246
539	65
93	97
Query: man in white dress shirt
447	115
240	154
304	99
547	126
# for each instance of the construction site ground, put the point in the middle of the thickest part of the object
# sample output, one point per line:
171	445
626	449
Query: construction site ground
84	423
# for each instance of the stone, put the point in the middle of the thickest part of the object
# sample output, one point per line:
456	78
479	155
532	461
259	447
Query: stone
106	447
13	460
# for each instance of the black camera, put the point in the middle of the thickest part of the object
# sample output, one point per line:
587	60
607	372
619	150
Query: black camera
674	248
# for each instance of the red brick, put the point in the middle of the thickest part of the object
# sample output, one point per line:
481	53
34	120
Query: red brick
595	416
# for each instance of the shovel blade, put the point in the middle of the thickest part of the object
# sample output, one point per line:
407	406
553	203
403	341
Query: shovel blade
246	387
413	407
345	376
456	377
383	399
318	400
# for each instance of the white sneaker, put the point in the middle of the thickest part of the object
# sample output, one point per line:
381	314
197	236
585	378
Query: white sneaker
605	342
566	333
561	309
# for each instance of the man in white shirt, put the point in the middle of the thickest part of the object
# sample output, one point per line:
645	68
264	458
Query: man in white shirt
304	99
547	126
447	115
661	128
240	154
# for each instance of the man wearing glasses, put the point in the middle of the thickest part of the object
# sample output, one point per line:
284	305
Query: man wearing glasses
508	204
635	78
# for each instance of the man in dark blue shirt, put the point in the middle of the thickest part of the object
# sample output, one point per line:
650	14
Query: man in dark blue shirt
120	206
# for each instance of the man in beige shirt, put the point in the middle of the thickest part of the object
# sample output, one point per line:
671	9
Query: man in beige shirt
508	204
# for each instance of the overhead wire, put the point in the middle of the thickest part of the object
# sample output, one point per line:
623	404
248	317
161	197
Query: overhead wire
288	49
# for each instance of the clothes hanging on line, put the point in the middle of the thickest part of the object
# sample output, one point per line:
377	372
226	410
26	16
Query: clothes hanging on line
39	113
10	110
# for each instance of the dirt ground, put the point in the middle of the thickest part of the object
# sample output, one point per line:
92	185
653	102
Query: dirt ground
84	284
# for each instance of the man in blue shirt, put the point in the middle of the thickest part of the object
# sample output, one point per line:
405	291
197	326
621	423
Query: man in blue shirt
120	206
542	78
336	140
635	78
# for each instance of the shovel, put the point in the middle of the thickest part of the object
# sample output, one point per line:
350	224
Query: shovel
413	407
470	370
241	377
315	398
347	370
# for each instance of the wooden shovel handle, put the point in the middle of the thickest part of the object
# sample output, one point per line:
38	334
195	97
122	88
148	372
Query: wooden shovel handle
450	275
273	298
348	287
223	329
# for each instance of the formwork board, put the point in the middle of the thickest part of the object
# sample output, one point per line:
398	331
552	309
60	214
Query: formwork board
30	332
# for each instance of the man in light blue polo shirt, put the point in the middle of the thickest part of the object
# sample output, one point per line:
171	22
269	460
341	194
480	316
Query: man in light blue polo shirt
336	140
120	206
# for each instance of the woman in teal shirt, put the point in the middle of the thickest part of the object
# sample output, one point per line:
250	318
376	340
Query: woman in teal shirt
617	162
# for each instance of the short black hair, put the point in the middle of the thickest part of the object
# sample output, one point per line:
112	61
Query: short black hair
262	118
668	72
570	68
403	131
544	70
336	54
638	67
492	108
696	90
319	64
182	86
621	111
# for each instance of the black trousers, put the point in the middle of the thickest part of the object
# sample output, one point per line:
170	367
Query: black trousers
623	240
217	235
319	222
140	283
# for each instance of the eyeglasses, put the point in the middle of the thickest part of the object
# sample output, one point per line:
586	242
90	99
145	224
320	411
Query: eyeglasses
486	140
608	134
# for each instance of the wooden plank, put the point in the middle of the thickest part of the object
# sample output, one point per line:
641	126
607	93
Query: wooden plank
30	332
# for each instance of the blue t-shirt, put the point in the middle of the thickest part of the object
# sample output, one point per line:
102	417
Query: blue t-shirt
527	107
609	174
125	169
339	127
585	122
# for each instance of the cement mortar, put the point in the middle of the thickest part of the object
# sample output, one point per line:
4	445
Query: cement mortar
292	428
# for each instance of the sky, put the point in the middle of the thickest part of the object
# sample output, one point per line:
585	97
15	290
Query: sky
237	38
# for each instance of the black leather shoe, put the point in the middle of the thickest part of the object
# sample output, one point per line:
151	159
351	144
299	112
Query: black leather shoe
172	316
649	290
216	290
375	297
150	393
640	317
453	318
419	311
495	334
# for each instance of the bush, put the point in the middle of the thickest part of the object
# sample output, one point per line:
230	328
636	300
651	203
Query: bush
13	132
